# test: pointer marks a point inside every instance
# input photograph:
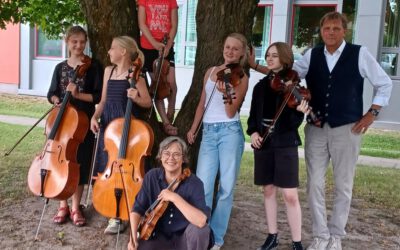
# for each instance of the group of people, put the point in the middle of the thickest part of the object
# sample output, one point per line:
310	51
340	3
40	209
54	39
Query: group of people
197	217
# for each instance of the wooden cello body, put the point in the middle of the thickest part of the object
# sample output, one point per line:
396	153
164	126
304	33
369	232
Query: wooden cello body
54	173
127	141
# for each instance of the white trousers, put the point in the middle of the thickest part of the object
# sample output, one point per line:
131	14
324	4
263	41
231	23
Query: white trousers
342	147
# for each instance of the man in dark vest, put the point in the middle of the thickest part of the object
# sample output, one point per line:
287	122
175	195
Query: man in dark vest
335	75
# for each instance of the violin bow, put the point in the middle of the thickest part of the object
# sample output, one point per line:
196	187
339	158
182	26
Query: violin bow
29	130
158	73
131	236
270	130
94	156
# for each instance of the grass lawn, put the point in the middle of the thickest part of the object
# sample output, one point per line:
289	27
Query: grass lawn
23	105
376	142
377	186
14	168
380	186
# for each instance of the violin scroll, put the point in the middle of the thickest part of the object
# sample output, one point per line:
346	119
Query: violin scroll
135	68
278	82
83	68
293	93
231	76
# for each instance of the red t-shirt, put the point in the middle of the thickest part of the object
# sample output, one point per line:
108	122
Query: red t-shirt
158	19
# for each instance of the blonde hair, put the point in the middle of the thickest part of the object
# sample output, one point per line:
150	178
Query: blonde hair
243	40
74	30
285	54
130	45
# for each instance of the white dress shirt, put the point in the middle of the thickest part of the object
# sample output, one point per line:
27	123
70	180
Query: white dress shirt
367	65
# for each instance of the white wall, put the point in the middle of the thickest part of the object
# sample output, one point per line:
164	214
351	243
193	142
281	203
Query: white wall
368	33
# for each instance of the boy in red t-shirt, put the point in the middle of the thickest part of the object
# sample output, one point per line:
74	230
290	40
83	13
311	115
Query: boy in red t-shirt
157	17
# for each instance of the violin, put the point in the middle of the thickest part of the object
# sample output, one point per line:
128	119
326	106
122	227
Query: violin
127	141
293	93
231	76
54	173
157	209
160	88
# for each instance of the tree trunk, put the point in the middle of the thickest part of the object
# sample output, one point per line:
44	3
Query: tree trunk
107	19
215	20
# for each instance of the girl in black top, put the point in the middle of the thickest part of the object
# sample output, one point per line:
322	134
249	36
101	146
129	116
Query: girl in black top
86	92
276	162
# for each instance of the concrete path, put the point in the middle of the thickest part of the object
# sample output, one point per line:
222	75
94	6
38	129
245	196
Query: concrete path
362	160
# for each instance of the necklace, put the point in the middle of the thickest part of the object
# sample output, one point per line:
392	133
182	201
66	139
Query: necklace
121	75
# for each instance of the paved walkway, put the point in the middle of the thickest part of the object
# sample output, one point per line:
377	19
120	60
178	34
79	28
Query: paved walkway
362	160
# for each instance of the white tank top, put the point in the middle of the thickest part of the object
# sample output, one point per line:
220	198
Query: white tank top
216	108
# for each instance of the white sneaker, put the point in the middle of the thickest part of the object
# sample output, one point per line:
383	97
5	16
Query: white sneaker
215	247
113	225
318	244
335	243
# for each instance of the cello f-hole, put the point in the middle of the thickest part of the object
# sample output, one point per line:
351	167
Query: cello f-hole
60	160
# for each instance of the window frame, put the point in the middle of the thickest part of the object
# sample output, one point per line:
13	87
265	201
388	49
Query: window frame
40	56
389	50
266	32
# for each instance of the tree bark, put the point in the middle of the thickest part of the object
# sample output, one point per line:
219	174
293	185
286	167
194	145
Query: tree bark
215	20
106	19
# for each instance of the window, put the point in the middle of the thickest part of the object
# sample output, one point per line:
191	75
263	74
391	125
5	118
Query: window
349	9
261	31
306	27
47	47
186	37
191	36
391	44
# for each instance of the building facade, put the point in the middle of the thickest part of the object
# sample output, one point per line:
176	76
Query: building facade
28	58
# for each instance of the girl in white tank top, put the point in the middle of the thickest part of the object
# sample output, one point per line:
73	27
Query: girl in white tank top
222	142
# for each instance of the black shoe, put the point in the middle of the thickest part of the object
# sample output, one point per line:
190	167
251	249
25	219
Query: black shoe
270	243
297	245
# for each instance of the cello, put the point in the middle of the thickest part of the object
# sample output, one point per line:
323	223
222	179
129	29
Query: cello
54	173
127	141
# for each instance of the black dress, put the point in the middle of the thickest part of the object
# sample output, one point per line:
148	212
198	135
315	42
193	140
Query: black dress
90	83
114	107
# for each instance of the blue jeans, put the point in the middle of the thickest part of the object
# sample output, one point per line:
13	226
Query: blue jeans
221	151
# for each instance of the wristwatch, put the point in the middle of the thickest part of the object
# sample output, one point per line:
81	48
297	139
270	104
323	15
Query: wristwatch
374	112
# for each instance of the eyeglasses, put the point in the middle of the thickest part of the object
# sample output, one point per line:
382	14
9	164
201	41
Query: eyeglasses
167	154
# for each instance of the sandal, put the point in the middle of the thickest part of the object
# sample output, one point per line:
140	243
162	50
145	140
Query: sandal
77	217
60	219
169	129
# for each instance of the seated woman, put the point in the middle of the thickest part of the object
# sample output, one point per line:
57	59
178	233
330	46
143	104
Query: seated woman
184	223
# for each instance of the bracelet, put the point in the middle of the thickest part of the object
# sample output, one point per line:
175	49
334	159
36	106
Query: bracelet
255	68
